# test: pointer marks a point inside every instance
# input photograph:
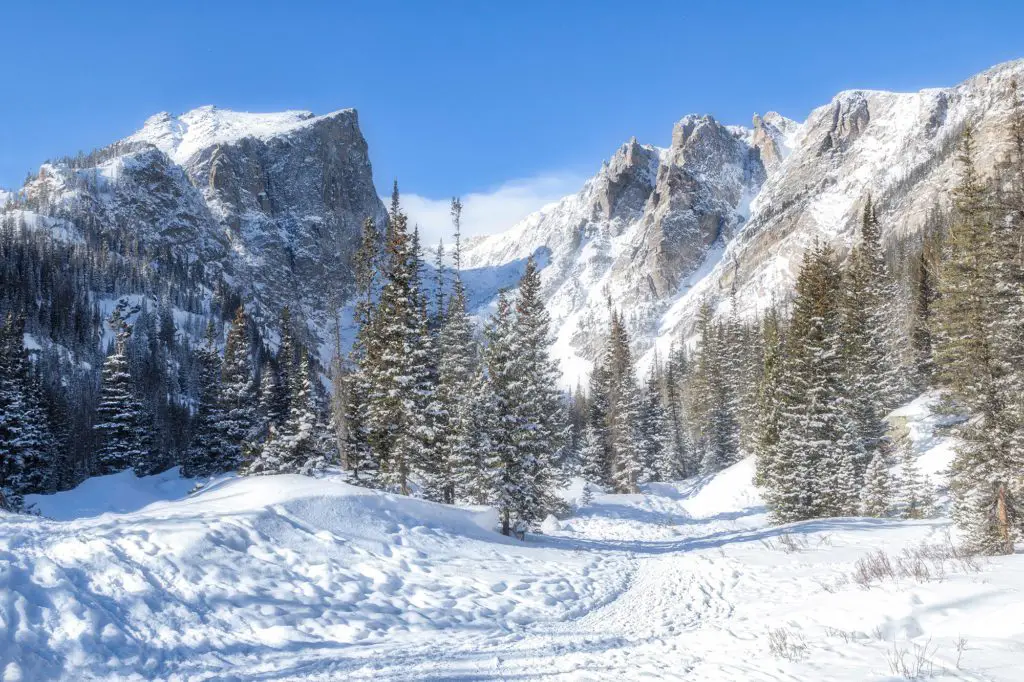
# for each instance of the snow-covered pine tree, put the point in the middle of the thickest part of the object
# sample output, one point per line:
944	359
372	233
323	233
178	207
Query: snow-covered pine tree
238	392
286	365
598	462
769	406
122	425
714	400
977	340
661	462
479	465
870	336
813	472
623	418
876	496
397	423
679	431
268	406
298	446
28	449
749	383
914	493
921	326
592	455
457	367
363	359
210	451
504	468
423	363
541	428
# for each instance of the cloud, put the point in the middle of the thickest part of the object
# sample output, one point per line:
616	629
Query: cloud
488	212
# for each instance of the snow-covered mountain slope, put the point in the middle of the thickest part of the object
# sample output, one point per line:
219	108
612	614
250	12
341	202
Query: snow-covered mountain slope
293	578
732	209
269	204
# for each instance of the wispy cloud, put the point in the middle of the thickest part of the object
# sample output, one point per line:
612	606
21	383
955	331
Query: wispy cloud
488	212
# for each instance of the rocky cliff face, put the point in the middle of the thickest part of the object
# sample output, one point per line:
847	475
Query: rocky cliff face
638	230
728	209
271	204
900	148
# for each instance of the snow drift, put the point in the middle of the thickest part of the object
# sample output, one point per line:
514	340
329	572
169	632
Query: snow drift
286	577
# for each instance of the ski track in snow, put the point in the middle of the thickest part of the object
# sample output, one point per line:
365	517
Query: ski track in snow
291	578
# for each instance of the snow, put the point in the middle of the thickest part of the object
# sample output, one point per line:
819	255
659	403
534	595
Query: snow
116	493
287	577
182	136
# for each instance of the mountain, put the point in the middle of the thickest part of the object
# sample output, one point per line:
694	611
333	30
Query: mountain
730	210
268	206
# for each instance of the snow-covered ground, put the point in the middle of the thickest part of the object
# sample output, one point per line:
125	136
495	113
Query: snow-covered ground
294	578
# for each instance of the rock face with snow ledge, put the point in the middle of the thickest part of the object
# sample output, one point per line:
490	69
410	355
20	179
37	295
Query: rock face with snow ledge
271	203
731	209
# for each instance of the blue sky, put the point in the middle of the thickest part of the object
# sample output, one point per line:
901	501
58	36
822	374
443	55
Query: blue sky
509	103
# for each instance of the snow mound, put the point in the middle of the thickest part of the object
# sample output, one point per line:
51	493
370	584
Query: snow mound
117	493
257	568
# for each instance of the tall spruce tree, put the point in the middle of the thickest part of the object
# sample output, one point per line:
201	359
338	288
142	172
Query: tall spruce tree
397	422
363	360
298	446
238	392
813	472
679	432
661	462
870	338
541	429
122	425
974	346
715	402
210	451
505	469
28	449
769	405
457	367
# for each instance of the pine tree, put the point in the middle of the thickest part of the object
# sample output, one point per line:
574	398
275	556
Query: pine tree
769	405
28	451
479	465
592	455
715	402
122	424
364	359
398	426
876	496
915	496
682	451
976	338
454	421
210	451
813	472
616	404
921	330
238	392
541	430
659	460
286	365
298	446
505	470
869	336
598	461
